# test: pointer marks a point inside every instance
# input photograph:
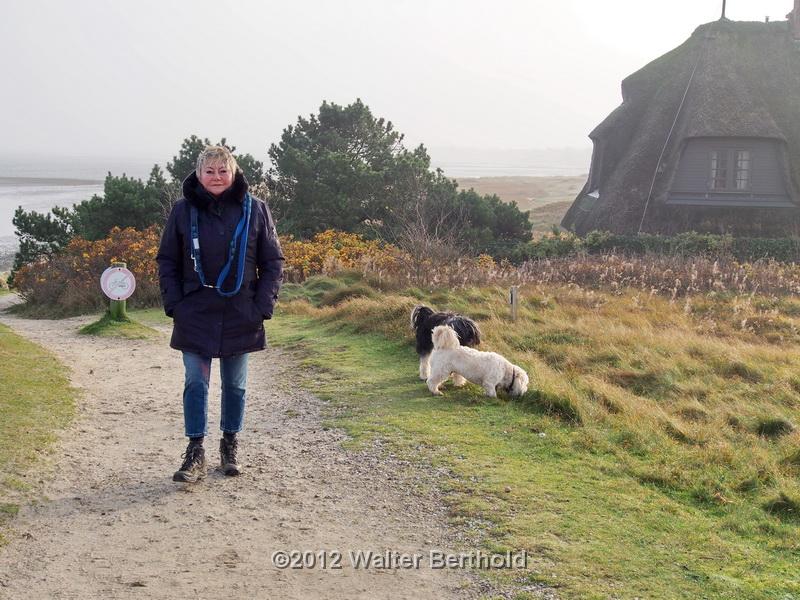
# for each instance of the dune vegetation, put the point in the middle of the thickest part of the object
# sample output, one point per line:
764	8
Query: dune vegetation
656	453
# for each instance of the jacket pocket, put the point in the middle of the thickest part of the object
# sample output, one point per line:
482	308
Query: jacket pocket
190	285
256	312
177	310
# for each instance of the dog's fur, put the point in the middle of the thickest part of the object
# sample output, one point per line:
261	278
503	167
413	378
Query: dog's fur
424	319
487	369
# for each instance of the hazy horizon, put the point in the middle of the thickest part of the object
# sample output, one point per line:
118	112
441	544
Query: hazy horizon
132	79
455	162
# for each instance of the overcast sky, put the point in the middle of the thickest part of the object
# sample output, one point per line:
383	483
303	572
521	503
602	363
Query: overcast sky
132	78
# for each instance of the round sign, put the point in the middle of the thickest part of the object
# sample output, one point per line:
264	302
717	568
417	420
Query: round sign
117	283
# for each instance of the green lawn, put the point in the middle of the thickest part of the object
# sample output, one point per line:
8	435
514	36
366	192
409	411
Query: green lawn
36	401
593	524
150	316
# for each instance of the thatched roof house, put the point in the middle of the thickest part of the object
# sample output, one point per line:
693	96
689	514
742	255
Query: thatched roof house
707	138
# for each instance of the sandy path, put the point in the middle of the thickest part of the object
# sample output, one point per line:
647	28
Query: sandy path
114	525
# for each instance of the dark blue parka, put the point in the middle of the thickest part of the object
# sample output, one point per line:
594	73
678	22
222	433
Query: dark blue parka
204	322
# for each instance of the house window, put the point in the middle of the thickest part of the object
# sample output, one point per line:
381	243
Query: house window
742	172
730	170
719	169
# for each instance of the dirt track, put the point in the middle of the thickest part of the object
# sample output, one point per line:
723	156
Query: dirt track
114	525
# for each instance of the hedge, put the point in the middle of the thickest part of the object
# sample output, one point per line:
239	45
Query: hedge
684	244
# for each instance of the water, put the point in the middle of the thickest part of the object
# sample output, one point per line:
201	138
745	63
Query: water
40	197
75	167
482	162
39	184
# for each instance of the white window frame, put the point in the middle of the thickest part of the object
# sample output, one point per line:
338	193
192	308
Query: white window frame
730	170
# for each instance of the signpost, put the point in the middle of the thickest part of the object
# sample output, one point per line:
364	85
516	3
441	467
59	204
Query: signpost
118	284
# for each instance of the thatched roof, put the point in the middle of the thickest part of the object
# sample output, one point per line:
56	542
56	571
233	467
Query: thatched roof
745	82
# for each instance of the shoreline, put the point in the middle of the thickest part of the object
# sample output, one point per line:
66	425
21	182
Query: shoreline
546	196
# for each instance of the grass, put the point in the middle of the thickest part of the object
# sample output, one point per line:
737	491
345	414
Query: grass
36	401
544	218
151	317
529	193
652	456
127	328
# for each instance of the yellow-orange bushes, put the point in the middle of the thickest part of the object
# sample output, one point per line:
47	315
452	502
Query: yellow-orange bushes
330	251
69	282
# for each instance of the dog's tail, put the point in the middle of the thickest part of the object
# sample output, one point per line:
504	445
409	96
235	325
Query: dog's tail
444	337
466	328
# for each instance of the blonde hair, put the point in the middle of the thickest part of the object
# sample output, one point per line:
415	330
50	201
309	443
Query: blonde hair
216	155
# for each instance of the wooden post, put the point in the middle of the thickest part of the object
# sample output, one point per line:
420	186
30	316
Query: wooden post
117	308
514	298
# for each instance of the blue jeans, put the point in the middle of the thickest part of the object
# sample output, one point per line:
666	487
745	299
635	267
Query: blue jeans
233	372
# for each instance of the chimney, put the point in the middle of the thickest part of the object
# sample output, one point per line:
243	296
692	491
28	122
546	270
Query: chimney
794	20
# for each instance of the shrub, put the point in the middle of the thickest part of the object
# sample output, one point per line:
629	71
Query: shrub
331	251
547	246
68	283
694	244
336	252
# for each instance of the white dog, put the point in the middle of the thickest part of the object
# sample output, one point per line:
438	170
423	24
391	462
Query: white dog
487	369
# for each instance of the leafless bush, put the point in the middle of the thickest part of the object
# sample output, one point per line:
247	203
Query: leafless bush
168	196
427	231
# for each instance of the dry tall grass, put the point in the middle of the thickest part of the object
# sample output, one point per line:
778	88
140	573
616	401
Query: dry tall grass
697	394
670	276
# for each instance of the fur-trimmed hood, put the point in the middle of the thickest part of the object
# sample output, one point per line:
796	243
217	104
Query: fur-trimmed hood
205	322
197	195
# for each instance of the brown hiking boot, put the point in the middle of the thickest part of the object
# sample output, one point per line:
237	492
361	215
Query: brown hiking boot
194	464
227	456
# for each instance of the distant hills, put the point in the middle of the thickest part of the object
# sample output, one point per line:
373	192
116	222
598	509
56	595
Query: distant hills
548	198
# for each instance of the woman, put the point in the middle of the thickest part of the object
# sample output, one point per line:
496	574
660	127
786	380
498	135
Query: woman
220	267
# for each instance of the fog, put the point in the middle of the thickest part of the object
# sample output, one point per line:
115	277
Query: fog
133	78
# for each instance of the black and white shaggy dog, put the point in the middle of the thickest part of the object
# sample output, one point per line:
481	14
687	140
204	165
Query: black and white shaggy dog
424	319
488	369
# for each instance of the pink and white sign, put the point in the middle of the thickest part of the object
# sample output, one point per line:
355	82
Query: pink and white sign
117	283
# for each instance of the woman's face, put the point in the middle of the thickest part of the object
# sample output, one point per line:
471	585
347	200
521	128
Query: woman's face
216	178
